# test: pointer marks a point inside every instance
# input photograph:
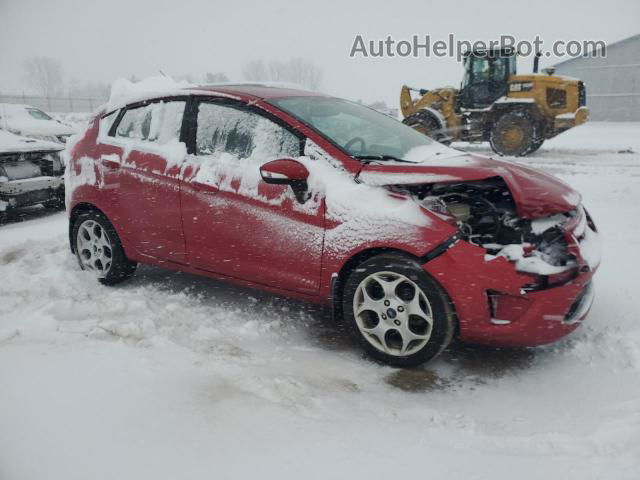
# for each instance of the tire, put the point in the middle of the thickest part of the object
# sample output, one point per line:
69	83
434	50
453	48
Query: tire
98	248
392	324
514	134
536	145
425	122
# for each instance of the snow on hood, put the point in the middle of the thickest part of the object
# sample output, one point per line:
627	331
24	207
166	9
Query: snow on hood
10	143
536	194
18	118
41	127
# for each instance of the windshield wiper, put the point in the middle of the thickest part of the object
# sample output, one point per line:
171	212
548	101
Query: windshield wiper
381	158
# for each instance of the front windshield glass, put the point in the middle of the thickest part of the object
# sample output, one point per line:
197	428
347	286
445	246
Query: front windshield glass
358	130
39	114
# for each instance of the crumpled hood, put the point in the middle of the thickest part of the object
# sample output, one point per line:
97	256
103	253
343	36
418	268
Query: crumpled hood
536	193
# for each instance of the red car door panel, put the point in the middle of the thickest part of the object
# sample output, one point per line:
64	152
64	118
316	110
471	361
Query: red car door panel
239	226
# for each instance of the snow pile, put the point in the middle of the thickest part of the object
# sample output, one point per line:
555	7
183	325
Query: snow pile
533	263
387	178
77	120
124	91
10	142
175	376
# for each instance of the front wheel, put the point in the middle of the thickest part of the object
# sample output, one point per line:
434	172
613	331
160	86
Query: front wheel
98	249
396	311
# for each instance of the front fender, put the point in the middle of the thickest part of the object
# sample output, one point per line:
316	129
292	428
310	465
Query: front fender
346	241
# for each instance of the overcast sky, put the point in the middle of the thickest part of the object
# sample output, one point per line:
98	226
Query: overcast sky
107	39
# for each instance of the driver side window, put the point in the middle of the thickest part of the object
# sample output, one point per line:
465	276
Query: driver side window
242	134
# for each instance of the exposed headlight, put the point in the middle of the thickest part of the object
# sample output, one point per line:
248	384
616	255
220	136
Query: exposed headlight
520	86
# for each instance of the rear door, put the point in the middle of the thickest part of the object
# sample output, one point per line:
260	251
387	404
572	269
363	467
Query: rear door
234	223
145	149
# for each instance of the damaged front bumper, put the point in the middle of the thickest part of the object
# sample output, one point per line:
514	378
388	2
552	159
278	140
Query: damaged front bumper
29	191
496	305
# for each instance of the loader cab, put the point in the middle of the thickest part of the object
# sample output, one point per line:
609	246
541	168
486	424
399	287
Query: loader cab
485	77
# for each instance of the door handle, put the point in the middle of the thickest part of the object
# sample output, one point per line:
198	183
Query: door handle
112	162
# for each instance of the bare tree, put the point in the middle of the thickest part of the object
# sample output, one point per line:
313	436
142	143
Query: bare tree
219	77
44	74
295	70
303	72
256	70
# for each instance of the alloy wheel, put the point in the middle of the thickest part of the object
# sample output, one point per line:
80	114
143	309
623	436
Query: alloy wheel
393	313
94	248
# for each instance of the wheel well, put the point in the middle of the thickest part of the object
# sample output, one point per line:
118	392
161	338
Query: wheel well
77	210
363	256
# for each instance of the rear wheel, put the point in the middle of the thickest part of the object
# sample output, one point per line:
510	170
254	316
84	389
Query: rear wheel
514	134
396	311
99	250
425	122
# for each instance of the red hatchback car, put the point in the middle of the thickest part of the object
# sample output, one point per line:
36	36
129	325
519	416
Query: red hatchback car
325	200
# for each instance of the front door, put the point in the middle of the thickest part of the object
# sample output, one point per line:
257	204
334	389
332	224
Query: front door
234	223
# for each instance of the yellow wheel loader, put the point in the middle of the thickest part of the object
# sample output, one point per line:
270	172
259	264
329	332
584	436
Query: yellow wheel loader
514	113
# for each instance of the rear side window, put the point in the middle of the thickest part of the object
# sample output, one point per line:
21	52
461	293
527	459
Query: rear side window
158	122
242	134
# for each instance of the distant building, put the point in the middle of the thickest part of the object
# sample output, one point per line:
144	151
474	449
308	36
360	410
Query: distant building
613	82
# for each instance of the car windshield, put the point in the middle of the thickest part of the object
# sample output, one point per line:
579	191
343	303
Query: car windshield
359	130
38	114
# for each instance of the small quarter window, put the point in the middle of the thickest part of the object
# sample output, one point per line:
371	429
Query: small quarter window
158	122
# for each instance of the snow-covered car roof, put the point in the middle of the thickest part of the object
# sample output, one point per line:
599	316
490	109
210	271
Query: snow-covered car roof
11	143
32	121
258	90
124	92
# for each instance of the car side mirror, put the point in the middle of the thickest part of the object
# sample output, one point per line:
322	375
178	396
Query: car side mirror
284	171
287	171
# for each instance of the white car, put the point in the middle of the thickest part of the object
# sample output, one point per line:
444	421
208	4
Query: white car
32	122
31	173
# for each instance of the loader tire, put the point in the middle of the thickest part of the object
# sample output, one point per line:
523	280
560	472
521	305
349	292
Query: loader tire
425	122
536	145
515	134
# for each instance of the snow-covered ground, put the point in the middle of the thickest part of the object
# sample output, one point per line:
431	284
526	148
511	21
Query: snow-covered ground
176	376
